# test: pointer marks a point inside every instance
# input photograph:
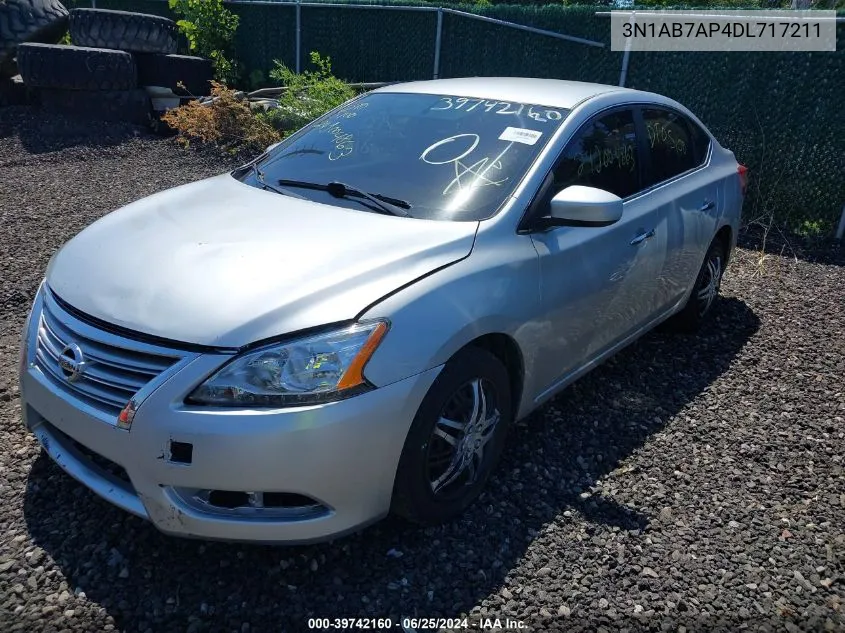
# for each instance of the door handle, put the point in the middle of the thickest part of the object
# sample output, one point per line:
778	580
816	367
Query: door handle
642	238
708	204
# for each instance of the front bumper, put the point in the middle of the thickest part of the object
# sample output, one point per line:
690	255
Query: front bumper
341	455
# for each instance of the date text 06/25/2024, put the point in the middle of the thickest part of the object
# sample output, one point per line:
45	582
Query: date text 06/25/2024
411	625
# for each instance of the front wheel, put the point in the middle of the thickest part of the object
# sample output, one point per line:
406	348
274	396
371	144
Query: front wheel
706	291
455	439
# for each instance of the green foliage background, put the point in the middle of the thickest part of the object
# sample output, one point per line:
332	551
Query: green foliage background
310	94
209	28
783	114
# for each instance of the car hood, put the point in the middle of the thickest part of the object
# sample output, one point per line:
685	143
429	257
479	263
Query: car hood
221	263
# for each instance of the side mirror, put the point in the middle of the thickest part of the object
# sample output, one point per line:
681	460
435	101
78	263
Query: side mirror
584	206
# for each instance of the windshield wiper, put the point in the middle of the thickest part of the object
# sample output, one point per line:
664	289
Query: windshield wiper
259	176
384	204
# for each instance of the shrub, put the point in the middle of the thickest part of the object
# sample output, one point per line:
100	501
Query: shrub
227	122
210	29
256	79
308	95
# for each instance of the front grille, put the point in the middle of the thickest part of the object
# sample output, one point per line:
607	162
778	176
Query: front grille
115	368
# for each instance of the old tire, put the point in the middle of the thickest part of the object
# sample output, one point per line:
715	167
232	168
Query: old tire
168	71
129	106
431	485
122	30
28	21
76	67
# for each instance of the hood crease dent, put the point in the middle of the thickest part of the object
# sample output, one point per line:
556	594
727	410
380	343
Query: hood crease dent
220	263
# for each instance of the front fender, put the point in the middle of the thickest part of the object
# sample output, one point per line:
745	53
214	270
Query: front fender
494	290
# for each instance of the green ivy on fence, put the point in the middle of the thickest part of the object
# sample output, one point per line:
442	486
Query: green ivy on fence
781	113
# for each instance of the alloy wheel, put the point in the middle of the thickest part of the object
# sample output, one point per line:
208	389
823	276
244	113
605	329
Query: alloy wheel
457	450
708	289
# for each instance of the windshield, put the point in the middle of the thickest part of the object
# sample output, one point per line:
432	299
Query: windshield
448	158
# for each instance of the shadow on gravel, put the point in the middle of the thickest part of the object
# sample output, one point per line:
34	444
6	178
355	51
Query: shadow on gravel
548	487
41	132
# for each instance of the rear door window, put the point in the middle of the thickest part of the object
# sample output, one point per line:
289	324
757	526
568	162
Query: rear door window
674	144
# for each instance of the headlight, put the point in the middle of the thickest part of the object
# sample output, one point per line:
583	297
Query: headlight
316	369
24	343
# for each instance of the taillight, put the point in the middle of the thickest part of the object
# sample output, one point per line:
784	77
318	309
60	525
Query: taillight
742	170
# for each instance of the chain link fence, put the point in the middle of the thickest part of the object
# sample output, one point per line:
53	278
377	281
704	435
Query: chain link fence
781	113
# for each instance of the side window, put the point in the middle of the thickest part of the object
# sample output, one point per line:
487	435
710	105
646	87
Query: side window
675	144
700	142
602	155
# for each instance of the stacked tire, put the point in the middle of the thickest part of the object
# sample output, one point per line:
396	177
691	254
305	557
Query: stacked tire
119	67
25	21
28	21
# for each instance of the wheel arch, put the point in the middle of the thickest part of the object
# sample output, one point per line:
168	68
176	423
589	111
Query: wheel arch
725	236
505	348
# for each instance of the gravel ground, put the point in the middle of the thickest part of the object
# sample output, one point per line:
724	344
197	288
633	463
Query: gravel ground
692	481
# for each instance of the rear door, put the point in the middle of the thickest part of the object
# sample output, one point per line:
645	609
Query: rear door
686	196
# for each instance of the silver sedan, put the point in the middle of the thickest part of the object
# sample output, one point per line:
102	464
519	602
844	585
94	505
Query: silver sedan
349	324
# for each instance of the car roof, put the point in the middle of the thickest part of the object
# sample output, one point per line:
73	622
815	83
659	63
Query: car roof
548	92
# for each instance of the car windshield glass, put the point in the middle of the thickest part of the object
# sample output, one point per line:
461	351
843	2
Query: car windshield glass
449	158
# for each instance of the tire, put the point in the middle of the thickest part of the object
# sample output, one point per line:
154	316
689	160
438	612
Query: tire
168	71
28	21
76	68
426	491
129	106
122	30
705	293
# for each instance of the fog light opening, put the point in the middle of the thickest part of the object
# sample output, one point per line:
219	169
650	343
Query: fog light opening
254	504
287	500
228	499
